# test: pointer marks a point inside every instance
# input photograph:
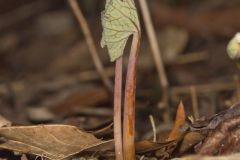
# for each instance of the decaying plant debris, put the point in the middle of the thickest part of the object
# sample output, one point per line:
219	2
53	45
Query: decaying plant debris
56	82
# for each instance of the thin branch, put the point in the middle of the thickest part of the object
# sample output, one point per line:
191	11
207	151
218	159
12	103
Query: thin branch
117	110
91	46
142	157
153	128
156	54
194	102
204	88
129	101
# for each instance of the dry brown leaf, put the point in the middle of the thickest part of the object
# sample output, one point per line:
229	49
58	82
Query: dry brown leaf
179	122
146	146
161	150
24	157
4	122
201	157
224	139
189	140
55	142
106	130
212	122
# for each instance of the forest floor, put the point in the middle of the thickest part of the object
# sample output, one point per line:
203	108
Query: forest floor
47	77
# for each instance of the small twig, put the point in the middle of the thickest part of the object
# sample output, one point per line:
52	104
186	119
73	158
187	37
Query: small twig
163	127
142	157
194	102
117	110
153	128
204	88
191	57
157	55
91	46
129	101
90	111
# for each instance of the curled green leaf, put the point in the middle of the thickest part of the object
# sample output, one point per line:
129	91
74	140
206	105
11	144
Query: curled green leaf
119	20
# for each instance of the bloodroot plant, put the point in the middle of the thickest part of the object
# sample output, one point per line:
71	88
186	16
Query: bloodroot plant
120	21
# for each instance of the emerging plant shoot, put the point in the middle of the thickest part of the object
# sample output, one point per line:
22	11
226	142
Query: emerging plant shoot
120	20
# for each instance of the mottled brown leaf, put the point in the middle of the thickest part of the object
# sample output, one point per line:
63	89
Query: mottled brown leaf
212	122
225	139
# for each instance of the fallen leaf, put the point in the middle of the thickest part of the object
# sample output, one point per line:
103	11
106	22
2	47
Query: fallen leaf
224	139
106	130
189	140
201	157
24	157
172	41
54	142
4	122
214	121
39	114
158	149
179	122
81	97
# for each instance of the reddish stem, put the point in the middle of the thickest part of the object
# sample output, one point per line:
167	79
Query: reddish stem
129	102
117	110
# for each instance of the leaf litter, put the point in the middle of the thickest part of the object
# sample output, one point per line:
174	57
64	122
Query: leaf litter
220	130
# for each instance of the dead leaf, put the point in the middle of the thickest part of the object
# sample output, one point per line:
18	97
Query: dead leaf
84	96
149	146
24	157
39	114
106	130
55	142
172	41
158	149
224	139
201	157
179	122
189	140
216	119
4	122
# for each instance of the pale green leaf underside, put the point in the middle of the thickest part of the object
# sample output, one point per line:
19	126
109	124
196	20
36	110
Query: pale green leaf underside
119	20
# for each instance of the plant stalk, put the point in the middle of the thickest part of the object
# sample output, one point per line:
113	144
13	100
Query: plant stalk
129	101
117	110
